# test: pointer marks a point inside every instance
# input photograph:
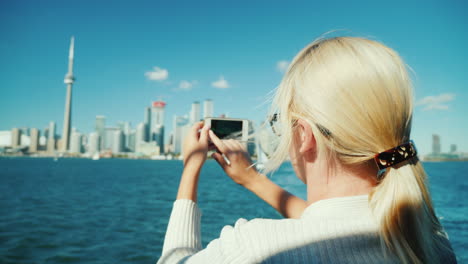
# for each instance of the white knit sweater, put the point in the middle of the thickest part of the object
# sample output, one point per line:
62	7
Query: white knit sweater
338	230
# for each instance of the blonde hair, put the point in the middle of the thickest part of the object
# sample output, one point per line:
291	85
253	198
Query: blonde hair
357	96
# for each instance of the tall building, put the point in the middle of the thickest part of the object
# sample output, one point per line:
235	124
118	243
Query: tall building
94	143
69	79
147	122
453	148
195	112
75	142
15	137
34	140
101	130
109	134
131	141
140	136
435	144
117	144
5	138
208	110
181	126
127	129
51	137
157	124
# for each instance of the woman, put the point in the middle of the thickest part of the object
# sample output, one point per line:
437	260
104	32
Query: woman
343	112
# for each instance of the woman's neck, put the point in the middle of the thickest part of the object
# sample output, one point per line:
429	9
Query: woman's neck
325	181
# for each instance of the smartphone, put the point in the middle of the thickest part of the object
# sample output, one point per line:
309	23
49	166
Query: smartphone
229	128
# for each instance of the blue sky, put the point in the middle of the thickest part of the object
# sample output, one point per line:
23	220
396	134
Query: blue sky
197	45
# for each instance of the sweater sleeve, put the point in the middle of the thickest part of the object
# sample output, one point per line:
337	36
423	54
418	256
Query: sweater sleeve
182	243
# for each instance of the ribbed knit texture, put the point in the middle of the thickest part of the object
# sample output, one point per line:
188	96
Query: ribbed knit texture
338	230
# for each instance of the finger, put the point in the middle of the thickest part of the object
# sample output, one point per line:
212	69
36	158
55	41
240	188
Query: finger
196	127
218	143
219	158
204	133
229	144
242	145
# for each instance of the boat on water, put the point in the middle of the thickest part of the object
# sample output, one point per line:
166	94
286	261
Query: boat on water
95	156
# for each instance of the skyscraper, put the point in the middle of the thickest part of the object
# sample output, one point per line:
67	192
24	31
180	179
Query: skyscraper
195	112
208	108
140	136
101	130
435	144
109	135
34	140
147	122
75	142
117	145
69	79
15	137
93	143
51	137
157	124
126	135
453	148
181	126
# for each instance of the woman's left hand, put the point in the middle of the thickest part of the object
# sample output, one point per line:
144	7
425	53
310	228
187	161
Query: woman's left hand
196	145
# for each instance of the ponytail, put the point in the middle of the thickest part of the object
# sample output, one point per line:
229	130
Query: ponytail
409	227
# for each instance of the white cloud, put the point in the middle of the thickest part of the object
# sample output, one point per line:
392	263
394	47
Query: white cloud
221	83
436	102
158	74
282	66
187	85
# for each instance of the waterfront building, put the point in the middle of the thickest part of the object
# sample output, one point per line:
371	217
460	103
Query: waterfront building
148	149
131	141
34	140
181	126
5	138
117	144
15	137
170	144
69	80
195	112
147	122
208	108
126	135
435	144
101	130
76	142
140	135
51	131
51	137
46	132
453	148
109	133
94	144
157	124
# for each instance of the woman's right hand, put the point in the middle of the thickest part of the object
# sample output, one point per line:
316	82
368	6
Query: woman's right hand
240	169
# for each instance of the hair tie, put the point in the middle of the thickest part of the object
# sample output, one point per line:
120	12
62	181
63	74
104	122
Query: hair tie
394	156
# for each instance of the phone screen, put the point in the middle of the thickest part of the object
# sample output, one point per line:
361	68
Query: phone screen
227	129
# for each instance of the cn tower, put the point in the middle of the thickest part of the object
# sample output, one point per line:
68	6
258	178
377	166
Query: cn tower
69	79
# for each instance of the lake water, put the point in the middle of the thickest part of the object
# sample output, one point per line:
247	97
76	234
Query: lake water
116	211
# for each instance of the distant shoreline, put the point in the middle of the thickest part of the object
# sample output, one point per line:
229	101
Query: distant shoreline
425	160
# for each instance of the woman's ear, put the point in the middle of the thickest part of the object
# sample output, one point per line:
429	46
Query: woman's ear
306	137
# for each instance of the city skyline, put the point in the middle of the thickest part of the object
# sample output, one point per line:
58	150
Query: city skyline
128	55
